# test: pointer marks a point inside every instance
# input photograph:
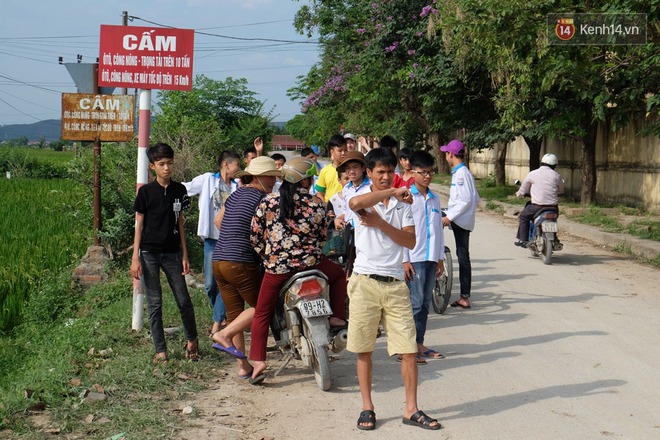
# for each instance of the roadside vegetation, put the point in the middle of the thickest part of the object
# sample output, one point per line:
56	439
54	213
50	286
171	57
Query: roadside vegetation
637	222
69	362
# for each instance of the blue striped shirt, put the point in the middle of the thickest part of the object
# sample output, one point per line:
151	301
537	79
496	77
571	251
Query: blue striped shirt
234	239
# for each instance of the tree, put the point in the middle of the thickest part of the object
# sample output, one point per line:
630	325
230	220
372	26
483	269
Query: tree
382	74
20	141
423	70
213	116
58	145
559	91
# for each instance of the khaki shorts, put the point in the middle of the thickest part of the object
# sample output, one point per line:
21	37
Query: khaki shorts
371	301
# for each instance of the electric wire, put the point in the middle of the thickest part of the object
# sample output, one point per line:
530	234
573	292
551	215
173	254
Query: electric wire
229	37
43	46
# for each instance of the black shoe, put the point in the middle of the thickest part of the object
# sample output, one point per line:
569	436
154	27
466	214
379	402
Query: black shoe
522	244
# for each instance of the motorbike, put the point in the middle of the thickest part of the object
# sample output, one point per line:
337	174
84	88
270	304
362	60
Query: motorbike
542	240
301	325
543	234
443	285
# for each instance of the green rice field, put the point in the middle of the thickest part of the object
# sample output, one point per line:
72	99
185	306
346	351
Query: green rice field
45	226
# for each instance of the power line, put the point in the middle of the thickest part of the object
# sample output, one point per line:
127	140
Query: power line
25	100
20	111
246	24
27	84
255	68
132	17
26	58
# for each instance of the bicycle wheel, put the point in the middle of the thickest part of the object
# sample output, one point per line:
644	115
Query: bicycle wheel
443	285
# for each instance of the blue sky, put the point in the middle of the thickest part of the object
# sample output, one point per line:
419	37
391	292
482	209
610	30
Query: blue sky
34	33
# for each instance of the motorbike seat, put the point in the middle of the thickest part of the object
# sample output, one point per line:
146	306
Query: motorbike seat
544	210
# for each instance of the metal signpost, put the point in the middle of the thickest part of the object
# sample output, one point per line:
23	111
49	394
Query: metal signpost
97	118
145	58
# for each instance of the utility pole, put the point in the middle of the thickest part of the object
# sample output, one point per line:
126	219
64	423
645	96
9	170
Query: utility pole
142	178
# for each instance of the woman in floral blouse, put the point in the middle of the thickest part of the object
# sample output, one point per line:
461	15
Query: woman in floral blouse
288	231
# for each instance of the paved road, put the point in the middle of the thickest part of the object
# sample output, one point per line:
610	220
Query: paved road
566	351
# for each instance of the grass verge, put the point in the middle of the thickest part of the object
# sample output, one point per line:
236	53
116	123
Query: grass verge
47	367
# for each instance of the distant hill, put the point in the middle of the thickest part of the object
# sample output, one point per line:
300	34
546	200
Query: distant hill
50	129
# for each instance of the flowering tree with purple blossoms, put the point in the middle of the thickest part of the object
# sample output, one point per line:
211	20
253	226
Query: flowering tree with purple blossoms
395	77
428	68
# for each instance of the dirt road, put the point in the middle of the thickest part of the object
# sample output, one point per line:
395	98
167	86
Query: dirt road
567	351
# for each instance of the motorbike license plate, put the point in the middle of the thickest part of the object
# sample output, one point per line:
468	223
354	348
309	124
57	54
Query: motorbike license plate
317	307
549	226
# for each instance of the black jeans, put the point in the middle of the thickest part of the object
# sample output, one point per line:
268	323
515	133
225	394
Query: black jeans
462	237
526	215
170	262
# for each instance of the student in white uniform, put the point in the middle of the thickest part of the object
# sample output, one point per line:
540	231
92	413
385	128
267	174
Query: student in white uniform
462	207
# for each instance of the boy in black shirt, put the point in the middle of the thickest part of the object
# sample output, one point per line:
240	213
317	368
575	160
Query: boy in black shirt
160	243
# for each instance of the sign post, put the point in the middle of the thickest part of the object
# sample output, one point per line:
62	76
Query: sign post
145	58
89	117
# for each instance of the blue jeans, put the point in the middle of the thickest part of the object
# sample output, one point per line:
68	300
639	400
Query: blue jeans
462	237
170	262
421	293
210	285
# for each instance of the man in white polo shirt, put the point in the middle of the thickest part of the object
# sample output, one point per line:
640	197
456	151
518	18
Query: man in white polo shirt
377	289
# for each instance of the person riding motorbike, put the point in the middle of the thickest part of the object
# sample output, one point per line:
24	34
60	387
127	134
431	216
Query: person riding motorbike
544	185
288	231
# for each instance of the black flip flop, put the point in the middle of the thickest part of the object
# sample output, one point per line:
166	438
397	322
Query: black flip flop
457	304
423	421
257	380
367	416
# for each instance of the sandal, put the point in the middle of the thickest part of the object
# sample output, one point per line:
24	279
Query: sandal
160	358
423	421
192	354
463	303
367	416
420	360
432	354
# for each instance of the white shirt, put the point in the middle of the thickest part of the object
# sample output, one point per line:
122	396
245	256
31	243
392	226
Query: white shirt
205	186
376	253
338	204
463	197
430	245
544	185
351	191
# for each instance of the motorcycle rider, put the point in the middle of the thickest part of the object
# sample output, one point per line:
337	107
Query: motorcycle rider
288	231
544	185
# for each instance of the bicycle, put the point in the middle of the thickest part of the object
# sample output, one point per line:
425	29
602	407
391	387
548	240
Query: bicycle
443	285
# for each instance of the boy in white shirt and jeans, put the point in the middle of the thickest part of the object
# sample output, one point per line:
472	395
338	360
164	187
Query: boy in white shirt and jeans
426	260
